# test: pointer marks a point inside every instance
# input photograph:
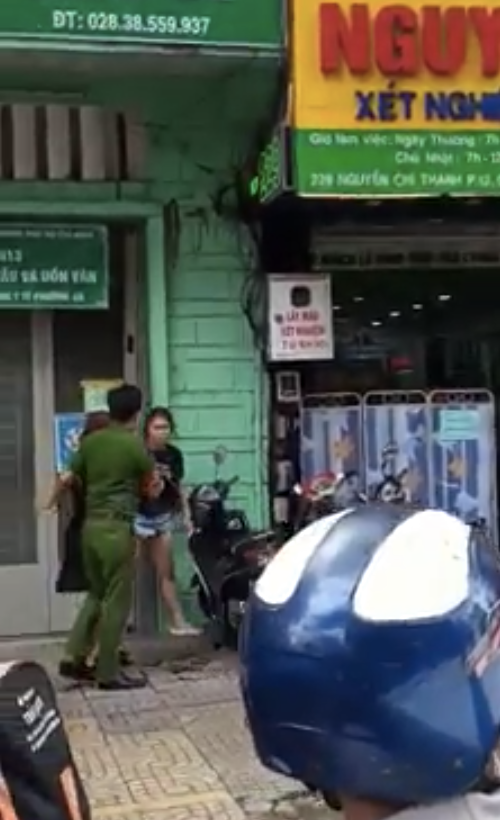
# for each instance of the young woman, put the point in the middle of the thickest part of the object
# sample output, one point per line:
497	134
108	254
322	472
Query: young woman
158	518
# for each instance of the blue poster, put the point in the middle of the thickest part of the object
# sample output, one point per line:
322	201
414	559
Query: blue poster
396	436
330	440
463	460
67	430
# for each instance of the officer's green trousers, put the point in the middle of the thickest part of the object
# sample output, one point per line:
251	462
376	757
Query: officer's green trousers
108	557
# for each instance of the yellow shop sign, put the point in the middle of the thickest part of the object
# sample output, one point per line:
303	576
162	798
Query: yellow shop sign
398	99
415	66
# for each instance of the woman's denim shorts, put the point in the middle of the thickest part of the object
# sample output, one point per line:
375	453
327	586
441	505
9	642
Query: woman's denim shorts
152	526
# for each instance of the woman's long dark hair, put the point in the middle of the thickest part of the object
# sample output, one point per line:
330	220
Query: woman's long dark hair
161	413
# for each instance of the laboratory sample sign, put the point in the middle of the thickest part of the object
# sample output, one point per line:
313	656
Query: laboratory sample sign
300	326
396	100
45	267
230	23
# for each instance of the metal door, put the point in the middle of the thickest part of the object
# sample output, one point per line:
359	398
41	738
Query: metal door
91	345
24	603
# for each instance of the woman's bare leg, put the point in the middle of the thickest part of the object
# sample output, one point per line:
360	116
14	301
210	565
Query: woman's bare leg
161	555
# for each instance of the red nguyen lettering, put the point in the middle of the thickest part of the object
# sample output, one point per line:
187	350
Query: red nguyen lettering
399	39
486	25
444	39
344	39
395	41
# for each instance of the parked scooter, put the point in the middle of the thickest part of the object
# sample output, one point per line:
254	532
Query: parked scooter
228	556
325	494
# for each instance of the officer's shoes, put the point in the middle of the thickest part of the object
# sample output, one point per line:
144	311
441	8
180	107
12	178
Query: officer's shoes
77	671
123	682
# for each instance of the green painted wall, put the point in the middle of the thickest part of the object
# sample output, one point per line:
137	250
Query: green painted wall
216	388
216	382
215	375
216	379
200	129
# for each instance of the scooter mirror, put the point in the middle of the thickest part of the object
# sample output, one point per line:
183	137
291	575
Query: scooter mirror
219	455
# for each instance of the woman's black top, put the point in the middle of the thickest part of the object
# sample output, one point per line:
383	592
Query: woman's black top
169	464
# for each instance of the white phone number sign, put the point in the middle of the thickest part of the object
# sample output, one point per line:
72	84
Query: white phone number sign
71	22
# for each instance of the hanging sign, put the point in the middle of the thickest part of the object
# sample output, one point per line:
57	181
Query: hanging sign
396	99
95	394
201	23
272	175
45	266
459	424
300	318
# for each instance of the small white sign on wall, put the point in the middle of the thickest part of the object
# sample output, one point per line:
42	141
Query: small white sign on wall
300	325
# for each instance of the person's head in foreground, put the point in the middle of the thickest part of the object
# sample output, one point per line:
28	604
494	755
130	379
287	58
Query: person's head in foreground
125	405
94	421
370	664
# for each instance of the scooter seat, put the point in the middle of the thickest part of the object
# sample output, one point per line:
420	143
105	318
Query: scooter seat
254	539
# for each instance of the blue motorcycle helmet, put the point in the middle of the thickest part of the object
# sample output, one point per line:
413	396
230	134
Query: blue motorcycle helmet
370	656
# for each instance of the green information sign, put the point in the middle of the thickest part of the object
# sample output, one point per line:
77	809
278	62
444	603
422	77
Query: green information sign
379	163
53	266
272	177
236	23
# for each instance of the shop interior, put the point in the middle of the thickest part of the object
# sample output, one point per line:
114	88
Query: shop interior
416	321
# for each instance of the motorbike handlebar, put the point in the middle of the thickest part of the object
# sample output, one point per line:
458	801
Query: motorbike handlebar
319	491
222	486
326	490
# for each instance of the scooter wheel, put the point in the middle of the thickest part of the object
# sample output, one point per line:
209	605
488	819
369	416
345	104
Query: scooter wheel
216	635
203	602
230	631
215	630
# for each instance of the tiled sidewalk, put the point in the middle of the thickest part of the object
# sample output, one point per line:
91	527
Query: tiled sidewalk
178	749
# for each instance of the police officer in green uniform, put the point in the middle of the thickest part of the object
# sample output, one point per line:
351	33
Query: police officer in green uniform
114	470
